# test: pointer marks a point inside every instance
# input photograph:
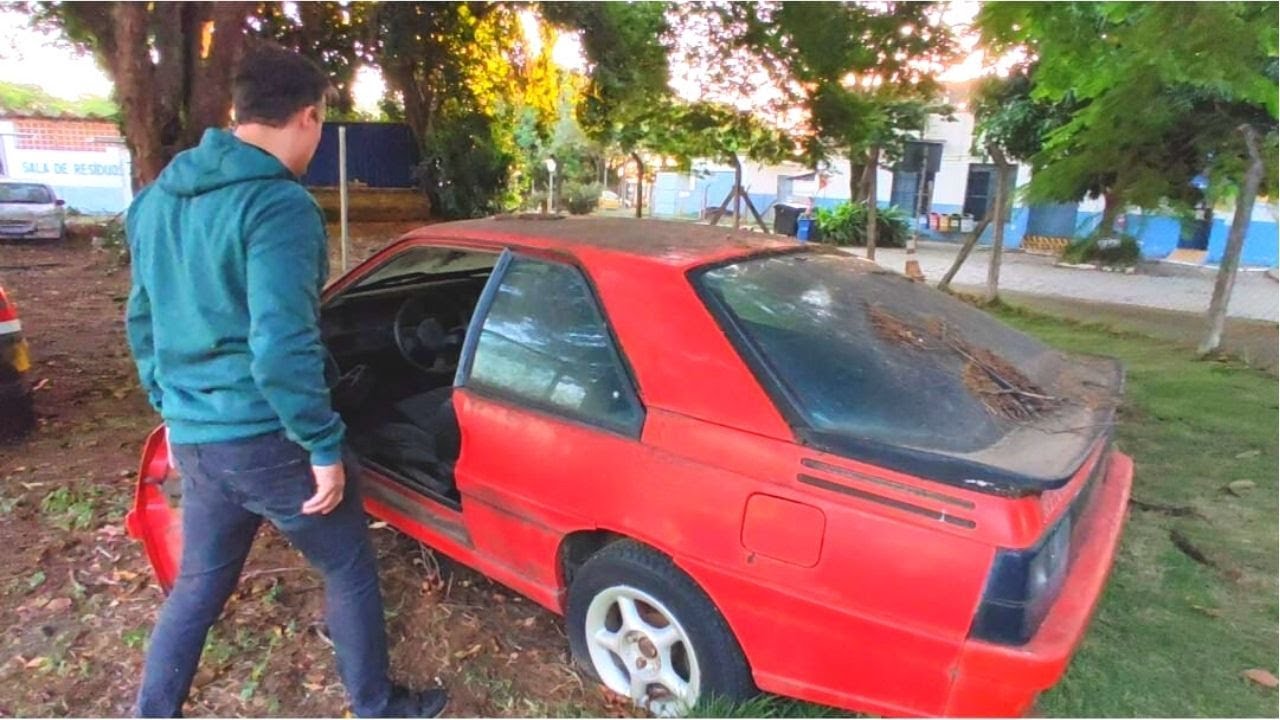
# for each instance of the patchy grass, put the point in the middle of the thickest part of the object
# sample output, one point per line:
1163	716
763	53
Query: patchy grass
1172	636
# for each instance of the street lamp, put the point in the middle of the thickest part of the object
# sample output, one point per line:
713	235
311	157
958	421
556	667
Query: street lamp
551	185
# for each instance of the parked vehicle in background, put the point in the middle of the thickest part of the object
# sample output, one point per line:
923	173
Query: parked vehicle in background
31	211
609	200
730	461
17	410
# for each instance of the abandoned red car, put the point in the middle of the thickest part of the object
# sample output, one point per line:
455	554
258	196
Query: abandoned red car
732	463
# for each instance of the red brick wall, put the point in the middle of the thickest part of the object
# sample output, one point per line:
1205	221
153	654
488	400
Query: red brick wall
54	134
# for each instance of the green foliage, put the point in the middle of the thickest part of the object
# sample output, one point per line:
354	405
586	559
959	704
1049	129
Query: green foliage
327	32
1156	92
463	171
1005	113
722	133
21	99
861	72
581	199
846	224
68	509
1112	250
629	68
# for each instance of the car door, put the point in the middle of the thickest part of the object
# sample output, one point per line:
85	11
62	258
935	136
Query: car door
550	417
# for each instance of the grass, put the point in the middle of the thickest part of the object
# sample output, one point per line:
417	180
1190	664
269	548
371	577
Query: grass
1172	636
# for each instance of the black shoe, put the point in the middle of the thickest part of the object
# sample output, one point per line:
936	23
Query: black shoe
406	703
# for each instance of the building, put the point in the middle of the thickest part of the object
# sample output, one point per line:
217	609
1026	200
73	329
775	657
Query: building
963	184
84	160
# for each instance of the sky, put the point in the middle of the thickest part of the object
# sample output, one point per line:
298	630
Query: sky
29	56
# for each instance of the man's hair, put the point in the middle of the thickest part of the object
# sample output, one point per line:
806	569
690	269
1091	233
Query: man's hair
272	83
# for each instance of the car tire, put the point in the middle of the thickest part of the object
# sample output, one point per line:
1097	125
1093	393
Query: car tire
673	627
20	421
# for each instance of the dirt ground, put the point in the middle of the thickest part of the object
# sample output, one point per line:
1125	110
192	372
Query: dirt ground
77	599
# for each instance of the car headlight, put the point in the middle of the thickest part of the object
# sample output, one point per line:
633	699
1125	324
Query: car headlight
1022	587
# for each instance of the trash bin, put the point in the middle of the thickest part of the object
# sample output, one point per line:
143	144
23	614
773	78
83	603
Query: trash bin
804	228
966	224
785	216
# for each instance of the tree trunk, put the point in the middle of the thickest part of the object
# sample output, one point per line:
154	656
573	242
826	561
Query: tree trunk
969	244
1111	208
134	78
997	241
166	103
1235	243
210	91
873	210
639	184
857	171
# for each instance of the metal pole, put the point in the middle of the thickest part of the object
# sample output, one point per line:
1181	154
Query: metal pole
342	194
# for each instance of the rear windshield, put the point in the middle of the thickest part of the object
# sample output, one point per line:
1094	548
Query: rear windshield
863	353
16	193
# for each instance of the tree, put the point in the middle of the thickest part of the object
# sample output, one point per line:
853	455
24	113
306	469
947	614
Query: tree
862	72
1008	124
1197	72
330	33
22	99
170	64
627	101
724	134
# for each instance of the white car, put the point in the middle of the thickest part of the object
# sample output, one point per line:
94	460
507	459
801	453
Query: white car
31	211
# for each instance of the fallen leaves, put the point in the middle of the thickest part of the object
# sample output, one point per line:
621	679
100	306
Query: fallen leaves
1262	677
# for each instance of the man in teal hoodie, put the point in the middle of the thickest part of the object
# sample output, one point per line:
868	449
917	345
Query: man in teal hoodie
229	257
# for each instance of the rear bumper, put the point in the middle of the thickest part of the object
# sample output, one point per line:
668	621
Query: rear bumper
1005	680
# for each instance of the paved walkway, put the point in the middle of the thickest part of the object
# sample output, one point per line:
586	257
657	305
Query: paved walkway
1255	295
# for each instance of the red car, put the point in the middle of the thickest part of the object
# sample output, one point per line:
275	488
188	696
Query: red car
731	462
17	410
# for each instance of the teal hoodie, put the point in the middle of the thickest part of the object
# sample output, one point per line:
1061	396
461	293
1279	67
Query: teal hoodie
229	257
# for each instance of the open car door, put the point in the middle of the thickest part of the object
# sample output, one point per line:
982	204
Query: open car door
155	519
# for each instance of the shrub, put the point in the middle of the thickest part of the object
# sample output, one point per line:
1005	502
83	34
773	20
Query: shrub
581	198
1111	250
846	224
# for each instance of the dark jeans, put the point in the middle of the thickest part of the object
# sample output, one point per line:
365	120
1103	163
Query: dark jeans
227	489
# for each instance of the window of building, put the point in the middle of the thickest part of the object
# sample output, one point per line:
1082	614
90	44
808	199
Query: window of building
908	192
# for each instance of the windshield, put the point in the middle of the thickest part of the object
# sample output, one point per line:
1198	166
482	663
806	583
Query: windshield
860	352
29	194
424	263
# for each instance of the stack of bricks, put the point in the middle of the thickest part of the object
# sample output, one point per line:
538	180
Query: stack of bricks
73	135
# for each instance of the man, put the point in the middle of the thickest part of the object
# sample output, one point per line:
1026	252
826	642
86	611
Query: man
229	256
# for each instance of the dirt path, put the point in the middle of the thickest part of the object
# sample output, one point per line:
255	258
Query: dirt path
78	601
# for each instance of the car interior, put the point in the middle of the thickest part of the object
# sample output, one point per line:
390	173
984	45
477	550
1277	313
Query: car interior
394	342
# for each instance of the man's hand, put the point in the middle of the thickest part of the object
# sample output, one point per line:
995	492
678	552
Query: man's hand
330	481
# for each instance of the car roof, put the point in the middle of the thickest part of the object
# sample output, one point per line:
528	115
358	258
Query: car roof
665	242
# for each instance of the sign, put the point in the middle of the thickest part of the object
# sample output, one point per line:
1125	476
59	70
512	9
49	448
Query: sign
106	168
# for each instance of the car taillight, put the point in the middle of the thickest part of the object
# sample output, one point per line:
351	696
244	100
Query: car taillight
1022	586
8	315
1024	583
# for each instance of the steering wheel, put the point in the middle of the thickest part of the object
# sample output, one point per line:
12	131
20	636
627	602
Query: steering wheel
422	340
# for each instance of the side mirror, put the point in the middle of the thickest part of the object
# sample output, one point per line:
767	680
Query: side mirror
59	202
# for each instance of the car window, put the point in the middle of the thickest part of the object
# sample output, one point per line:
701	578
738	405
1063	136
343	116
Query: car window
24	193
545	341
864	353
423	263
